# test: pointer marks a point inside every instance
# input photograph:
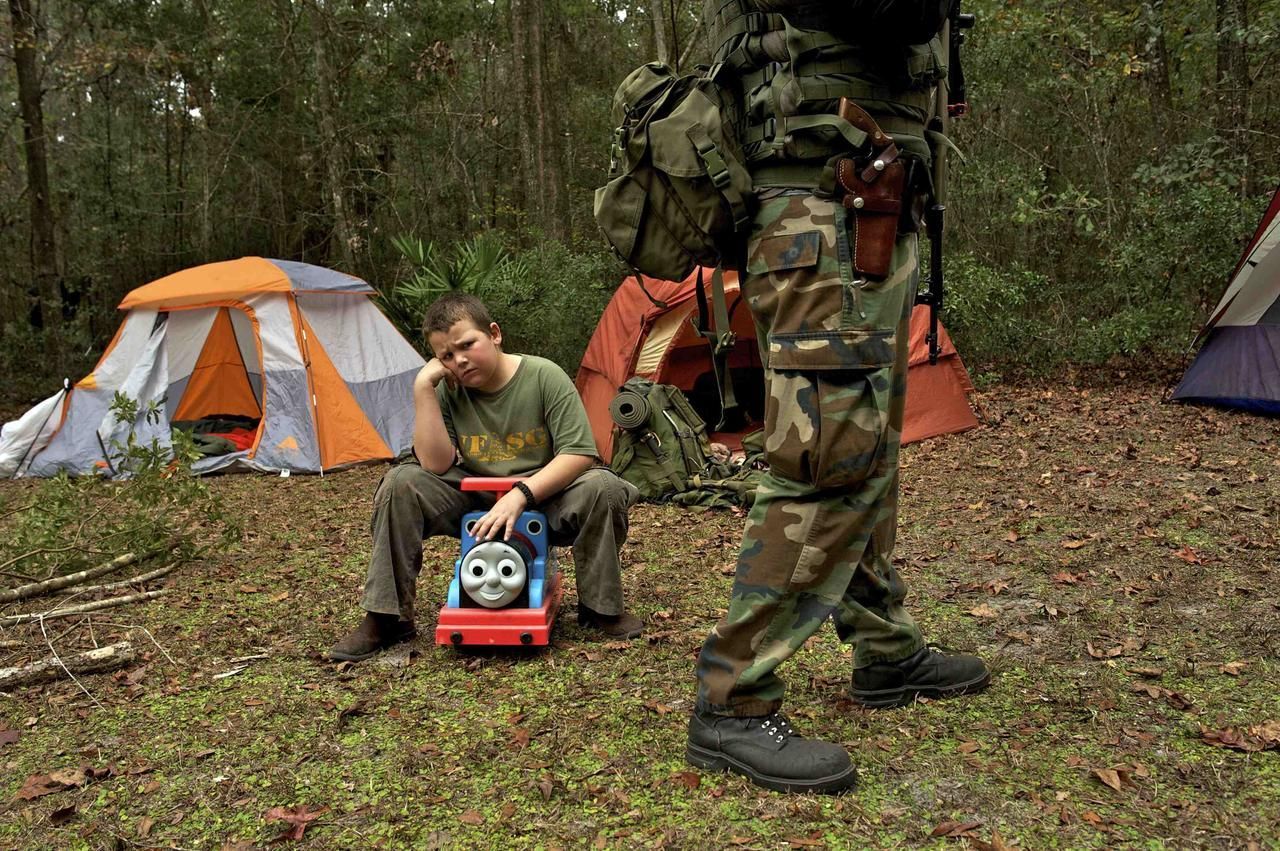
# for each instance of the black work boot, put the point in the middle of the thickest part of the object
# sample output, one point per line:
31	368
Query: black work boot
623	626
769	752
929	673
376	632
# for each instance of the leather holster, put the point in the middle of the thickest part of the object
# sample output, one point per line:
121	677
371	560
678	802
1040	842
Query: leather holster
871	189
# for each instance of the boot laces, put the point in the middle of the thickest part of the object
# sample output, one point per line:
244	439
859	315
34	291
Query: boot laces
777	727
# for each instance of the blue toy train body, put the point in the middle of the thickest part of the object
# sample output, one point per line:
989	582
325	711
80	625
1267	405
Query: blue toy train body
503	591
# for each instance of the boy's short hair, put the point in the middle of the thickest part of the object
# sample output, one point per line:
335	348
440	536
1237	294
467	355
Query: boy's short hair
451	308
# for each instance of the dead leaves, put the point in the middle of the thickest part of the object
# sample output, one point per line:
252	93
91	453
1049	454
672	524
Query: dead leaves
1175	699
1258	737
39	785
687	779
1129	645
983	611
1234	669
955	828
1120	776
1189	555
297	817
1110	777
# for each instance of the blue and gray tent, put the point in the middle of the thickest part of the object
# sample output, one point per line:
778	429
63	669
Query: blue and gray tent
1239	362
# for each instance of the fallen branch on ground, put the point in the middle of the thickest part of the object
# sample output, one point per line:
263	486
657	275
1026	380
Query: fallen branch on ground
35	589
124	583
107	658
30	617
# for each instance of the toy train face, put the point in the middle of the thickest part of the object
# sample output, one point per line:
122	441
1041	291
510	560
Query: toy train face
503	592
494	573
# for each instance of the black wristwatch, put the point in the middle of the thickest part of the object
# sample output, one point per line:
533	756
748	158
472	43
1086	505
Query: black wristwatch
529	500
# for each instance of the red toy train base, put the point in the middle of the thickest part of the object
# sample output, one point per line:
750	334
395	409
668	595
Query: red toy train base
477	626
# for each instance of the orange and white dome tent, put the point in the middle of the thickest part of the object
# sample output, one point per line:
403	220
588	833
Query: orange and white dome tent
299	349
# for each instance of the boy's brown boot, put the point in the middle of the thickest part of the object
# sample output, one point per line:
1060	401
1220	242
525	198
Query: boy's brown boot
623	626
376	632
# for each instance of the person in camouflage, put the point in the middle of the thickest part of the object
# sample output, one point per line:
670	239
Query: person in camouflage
819	538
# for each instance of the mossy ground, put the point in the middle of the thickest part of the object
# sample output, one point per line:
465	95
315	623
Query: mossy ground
1088	543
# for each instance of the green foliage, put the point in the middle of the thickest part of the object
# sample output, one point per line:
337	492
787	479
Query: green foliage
1104	141
547	299
68	524
1106	188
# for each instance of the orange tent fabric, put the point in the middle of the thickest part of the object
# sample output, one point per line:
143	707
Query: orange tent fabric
637	337
220	382
344	432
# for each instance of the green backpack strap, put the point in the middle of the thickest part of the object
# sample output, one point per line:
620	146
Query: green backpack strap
721	338
673	474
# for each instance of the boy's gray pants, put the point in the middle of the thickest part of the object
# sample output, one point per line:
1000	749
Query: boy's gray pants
412	504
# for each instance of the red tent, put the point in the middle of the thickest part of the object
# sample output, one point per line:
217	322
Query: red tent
636	337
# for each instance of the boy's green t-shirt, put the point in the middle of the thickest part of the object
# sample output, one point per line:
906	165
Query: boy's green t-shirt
517	430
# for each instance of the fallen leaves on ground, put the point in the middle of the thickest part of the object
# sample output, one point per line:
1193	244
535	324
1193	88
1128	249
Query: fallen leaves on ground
39	785
298	818
955	828
1259	737
1175	699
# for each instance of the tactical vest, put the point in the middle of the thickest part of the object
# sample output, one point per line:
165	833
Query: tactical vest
792	71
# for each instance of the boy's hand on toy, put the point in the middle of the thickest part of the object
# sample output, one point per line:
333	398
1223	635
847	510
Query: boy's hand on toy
501	518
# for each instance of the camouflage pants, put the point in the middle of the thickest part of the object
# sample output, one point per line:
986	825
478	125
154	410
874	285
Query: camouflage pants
819	538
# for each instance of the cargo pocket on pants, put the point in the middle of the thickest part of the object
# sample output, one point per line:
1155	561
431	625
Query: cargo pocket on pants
827	408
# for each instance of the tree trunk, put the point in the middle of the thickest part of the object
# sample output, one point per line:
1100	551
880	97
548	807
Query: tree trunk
331	149
528	184
1233	83
1154	50
662	40
44	257
545	200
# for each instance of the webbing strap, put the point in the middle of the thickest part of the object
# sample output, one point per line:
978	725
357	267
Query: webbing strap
720	337
774	130
650	440
718	169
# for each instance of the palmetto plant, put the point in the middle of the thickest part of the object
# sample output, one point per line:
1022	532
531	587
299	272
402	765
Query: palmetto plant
477	265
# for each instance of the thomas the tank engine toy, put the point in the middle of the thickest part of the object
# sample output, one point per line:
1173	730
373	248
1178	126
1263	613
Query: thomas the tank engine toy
503	592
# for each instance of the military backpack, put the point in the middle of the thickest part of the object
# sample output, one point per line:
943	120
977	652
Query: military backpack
660	443
679	194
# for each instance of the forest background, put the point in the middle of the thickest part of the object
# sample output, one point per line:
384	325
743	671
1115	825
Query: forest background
1117	155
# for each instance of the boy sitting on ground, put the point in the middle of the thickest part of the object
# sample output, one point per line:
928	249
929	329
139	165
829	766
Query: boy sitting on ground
480	411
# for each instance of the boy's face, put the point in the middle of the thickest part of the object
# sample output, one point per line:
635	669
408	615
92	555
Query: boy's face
468	351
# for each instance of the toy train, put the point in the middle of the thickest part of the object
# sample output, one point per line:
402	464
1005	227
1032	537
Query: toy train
503	592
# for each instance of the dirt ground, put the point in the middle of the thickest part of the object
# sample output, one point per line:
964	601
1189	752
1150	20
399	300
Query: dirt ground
1112	557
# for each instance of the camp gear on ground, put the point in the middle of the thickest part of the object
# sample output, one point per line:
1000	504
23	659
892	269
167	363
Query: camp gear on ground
929	673
636	338
668	456
300	348
667	452
769	752
1237	363
678	194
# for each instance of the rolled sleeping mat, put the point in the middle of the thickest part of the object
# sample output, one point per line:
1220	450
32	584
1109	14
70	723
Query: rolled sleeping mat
629	409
